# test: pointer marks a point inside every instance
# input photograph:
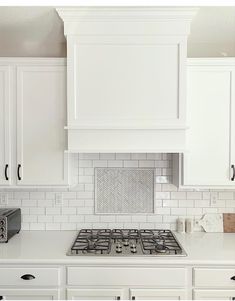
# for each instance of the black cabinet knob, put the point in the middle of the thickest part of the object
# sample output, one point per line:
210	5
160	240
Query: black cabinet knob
27	277
233	278
133	298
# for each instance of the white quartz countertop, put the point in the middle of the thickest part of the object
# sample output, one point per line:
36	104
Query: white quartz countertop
50	247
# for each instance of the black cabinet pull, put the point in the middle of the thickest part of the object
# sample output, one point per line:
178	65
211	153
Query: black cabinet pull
118	298
6	172
233	169
233	278
27	277
1	297
18	172
133	298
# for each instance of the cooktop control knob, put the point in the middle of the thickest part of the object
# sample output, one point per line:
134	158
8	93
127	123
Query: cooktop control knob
133	250
126	243
133	246
118	250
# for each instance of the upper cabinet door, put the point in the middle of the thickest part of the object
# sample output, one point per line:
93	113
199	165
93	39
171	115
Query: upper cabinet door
5	164
41	117
210	100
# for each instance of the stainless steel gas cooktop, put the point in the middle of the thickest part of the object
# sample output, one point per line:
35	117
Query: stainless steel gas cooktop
126	242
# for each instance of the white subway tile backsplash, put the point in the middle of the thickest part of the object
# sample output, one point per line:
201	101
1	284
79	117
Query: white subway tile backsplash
21	195
41	212
115	163
178	211
129	163
53	211
123	156
107	156
178	195
29	203
37	195
194	195
227	195
186	203
137	156
170	203
99	163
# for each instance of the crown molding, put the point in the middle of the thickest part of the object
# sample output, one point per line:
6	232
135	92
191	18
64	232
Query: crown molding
142	13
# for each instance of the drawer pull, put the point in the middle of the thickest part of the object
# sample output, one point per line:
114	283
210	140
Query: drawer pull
1	297
118	298
27	277
133	298
233	278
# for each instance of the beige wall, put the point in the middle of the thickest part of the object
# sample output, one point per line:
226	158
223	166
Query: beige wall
38	31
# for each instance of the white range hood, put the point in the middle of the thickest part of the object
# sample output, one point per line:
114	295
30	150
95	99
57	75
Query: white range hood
126	78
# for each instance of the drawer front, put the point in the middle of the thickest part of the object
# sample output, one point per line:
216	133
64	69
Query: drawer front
214	277
161	277
22	276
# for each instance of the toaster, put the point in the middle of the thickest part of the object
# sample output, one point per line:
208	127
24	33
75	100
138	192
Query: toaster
10	223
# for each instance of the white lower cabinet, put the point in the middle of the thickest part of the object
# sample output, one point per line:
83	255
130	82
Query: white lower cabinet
95	294
157	294
121	283
214	294
29	294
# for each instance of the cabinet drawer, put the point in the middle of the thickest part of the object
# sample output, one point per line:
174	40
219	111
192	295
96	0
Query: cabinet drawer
161	277
42	276
214	277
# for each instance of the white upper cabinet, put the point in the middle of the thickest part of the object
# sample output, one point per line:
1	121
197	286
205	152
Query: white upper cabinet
126	78
5	151
37	118
211	119
41	117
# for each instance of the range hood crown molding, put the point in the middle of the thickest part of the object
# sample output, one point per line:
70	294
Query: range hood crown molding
130	14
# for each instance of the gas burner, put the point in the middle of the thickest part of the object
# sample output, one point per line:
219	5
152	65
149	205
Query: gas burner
126	242
161	249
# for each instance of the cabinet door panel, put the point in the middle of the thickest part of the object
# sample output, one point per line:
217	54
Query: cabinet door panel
101	94
157	294
41	116
95	294
208	139
4	125
214	294
30	294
